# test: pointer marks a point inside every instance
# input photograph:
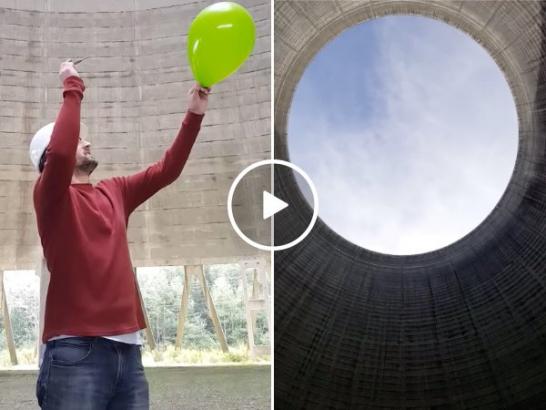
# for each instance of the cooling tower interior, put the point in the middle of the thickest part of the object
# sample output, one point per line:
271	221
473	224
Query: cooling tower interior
462	327
137	77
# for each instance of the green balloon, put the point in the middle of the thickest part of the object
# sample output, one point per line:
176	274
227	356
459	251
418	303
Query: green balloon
220	39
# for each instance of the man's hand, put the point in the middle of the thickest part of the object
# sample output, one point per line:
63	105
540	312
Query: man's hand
198	99
67	70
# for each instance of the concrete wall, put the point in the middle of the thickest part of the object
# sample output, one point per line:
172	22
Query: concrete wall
137	77
458	328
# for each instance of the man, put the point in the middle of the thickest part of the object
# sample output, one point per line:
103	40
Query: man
92	358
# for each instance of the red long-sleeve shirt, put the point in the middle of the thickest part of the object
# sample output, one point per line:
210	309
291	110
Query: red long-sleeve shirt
83	229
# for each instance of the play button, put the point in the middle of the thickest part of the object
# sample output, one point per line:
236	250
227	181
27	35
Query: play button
253	208
272	205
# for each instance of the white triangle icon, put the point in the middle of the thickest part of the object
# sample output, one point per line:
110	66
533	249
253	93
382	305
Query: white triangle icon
272	205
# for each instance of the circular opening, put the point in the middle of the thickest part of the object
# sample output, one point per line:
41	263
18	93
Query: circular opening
409	131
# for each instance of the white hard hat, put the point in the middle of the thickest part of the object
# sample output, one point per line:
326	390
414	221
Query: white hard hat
41	139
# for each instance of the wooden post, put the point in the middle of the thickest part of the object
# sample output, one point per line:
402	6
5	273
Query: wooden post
249	327
259	300
263	270
183	310
212	309
7	323
255	295
149	334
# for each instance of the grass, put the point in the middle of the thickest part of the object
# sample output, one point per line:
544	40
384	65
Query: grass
169	356
162	356
26	356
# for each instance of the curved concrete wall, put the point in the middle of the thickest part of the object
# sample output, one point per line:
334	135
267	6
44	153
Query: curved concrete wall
137	77
458	328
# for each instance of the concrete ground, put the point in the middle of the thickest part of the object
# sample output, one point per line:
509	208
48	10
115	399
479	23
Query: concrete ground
188	388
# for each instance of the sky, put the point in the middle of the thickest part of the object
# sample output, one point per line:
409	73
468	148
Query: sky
408	129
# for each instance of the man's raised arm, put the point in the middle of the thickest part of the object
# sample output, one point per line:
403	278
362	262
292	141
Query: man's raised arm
60	155
139	187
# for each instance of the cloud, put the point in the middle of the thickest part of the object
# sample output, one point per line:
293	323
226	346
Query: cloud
435	149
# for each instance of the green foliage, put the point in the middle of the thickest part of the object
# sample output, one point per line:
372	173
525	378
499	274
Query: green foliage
161	290
23	324
162	293
168	355
227	293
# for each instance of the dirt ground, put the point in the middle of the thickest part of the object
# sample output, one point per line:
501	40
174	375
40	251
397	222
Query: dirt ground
188	388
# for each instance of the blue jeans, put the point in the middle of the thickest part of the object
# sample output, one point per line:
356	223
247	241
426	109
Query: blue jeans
92	373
